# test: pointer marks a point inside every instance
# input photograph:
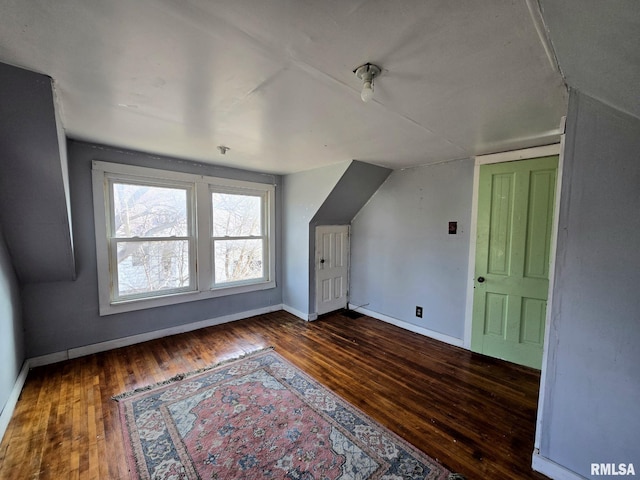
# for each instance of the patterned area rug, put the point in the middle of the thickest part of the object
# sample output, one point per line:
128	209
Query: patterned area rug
260	417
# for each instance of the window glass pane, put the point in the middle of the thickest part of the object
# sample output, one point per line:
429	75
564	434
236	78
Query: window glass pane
147	267
148	211
236	215
238	260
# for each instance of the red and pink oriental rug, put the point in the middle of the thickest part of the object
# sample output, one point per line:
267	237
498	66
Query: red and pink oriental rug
260	417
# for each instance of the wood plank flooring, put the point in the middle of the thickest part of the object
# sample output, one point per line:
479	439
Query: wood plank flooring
473	414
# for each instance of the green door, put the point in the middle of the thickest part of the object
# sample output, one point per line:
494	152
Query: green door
515	218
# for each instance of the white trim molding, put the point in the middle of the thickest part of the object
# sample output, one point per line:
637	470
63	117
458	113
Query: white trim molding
456	342
307	317
552	469
552	279
144	337
12	401
524	154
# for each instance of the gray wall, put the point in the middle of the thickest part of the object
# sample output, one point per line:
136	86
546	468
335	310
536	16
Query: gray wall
33	178
63	315
11	340
354	189
591	407
402	254
304	193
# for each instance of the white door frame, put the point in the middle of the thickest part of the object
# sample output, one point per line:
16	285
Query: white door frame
544	151
317	261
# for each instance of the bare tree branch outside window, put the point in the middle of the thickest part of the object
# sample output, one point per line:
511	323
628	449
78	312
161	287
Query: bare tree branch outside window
238	237
151	228
165	237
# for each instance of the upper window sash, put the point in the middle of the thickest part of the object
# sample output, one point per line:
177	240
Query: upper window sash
264	214
260	235
112	179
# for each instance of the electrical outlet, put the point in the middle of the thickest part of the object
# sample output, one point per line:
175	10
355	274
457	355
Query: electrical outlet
419	312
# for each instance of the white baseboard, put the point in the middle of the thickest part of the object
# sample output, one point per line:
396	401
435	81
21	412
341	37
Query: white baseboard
144	337
552	469
48	359
301	315
411	327
10	406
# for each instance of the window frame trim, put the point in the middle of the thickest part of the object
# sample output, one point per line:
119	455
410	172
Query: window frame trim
264	236
202	218
112	239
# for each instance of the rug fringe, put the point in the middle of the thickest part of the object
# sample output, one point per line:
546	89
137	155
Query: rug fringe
182	376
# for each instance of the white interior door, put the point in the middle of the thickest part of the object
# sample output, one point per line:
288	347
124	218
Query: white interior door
332	267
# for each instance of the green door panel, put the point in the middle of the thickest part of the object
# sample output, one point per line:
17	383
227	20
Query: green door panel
516	201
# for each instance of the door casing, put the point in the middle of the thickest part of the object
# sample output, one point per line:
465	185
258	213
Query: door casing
342	302
529	153
516	204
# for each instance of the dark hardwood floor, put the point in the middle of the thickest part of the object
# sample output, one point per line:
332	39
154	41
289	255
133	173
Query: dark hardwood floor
473	414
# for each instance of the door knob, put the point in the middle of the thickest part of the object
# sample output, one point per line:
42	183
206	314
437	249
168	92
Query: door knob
480	279
322	260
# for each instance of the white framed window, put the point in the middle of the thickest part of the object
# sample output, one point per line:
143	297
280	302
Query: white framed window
150	230
239	237
166	237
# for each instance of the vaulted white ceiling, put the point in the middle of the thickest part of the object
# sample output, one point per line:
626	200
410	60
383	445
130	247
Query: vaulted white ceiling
274	80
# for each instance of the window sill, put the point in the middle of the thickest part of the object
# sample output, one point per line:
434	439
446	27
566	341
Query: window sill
177	298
